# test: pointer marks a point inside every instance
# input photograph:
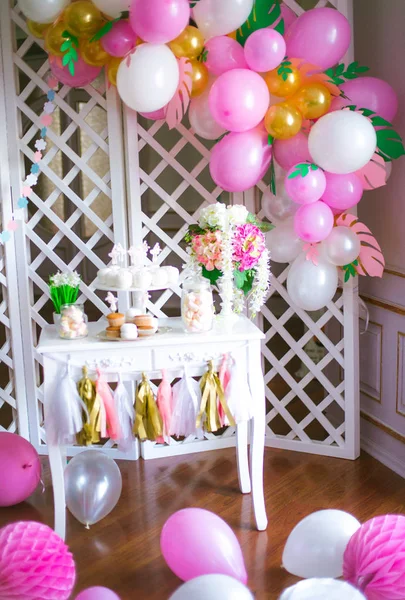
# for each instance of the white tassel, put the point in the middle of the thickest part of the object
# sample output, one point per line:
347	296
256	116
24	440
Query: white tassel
126	416
64	416
238	395
186	404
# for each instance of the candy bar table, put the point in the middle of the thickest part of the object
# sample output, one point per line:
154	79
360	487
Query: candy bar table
169	349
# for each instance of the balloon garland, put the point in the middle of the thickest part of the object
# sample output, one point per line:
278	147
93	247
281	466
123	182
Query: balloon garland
251	75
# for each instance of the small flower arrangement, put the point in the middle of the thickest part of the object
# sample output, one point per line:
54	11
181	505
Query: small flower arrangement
229	247
64	289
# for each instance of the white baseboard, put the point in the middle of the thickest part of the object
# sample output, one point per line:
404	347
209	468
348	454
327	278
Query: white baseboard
383	456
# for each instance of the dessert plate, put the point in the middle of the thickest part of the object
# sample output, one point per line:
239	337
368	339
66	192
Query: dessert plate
144	335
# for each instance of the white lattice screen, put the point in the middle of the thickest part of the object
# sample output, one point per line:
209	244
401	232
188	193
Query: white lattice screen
79	208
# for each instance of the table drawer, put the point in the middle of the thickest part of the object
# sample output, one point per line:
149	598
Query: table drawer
197	355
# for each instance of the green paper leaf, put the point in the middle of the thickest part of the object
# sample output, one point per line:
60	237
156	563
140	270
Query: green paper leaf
302	170
390	144
71	68
273	185
73	54
213	276
251	218
339	75
340	69
378	121
65	59
65	46
106	28
347	276
270	140
314	167
240	278
265	227
265	13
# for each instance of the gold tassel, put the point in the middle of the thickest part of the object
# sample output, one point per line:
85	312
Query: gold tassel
211	388
148	422
90	433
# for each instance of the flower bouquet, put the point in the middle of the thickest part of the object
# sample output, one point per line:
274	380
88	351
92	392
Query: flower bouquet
229	248
64	289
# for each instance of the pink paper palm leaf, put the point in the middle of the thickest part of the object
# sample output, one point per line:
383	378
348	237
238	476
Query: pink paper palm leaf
374	174
178	105
371	260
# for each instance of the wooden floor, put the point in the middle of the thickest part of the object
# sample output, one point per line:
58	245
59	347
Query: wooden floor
122	552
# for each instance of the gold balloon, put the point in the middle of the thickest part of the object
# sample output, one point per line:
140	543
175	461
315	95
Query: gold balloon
189	44
38	30
83	19
112	70
283	121
54	38
283	87
312	100
93	53
233	35
200	77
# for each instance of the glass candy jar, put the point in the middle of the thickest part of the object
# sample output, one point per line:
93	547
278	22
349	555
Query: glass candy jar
73	322
197	305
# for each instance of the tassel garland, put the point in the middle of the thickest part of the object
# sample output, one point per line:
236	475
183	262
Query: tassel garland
110	426
90	434
164	399
186	403
148	422
237	394
211	388
126	416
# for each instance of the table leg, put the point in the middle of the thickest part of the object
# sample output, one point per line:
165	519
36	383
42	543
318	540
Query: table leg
242	457
57	463
257	435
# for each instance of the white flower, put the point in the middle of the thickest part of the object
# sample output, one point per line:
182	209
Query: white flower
261	283
214	216
73	279
31	180
49	107
237	214
40	144
70	279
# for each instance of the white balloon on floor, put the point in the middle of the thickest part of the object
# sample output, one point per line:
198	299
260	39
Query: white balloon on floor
311	286
149	80
316	546
322	589
212	587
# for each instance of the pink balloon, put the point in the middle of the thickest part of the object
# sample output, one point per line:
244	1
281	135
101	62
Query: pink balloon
342	191
292	151
239	99
97	593
159	21
369	92
313	222
224	54
264	50
120	40
321	36
35	563
374	560
305	190
240	160
84	73
156	115
197	542
20	469
288	15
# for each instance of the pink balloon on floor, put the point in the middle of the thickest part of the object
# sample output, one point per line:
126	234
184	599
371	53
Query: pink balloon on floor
321	36
374	560
369	92
120	40
84	73
197	542
34	563
97	593
305	190
224	54
239	99
159	21
240	160
20	469
264	50
342	191
156	115
292	151
313	222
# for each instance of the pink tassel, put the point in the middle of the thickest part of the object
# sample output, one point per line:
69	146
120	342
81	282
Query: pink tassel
164	401
224	378
110	426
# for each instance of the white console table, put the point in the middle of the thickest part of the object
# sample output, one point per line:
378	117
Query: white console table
170	350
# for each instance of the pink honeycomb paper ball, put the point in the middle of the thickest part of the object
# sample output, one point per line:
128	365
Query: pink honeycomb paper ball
35	563
374	559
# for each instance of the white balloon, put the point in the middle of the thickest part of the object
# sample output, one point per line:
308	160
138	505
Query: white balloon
201	119
212	587
316	546
42	11
342	246
311	286
322	589
283	242
342	142
150	80
219	17
112	8
279	207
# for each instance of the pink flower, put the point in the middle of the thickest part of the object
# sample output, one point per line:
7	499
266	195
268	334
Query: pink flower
249	244
208	249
